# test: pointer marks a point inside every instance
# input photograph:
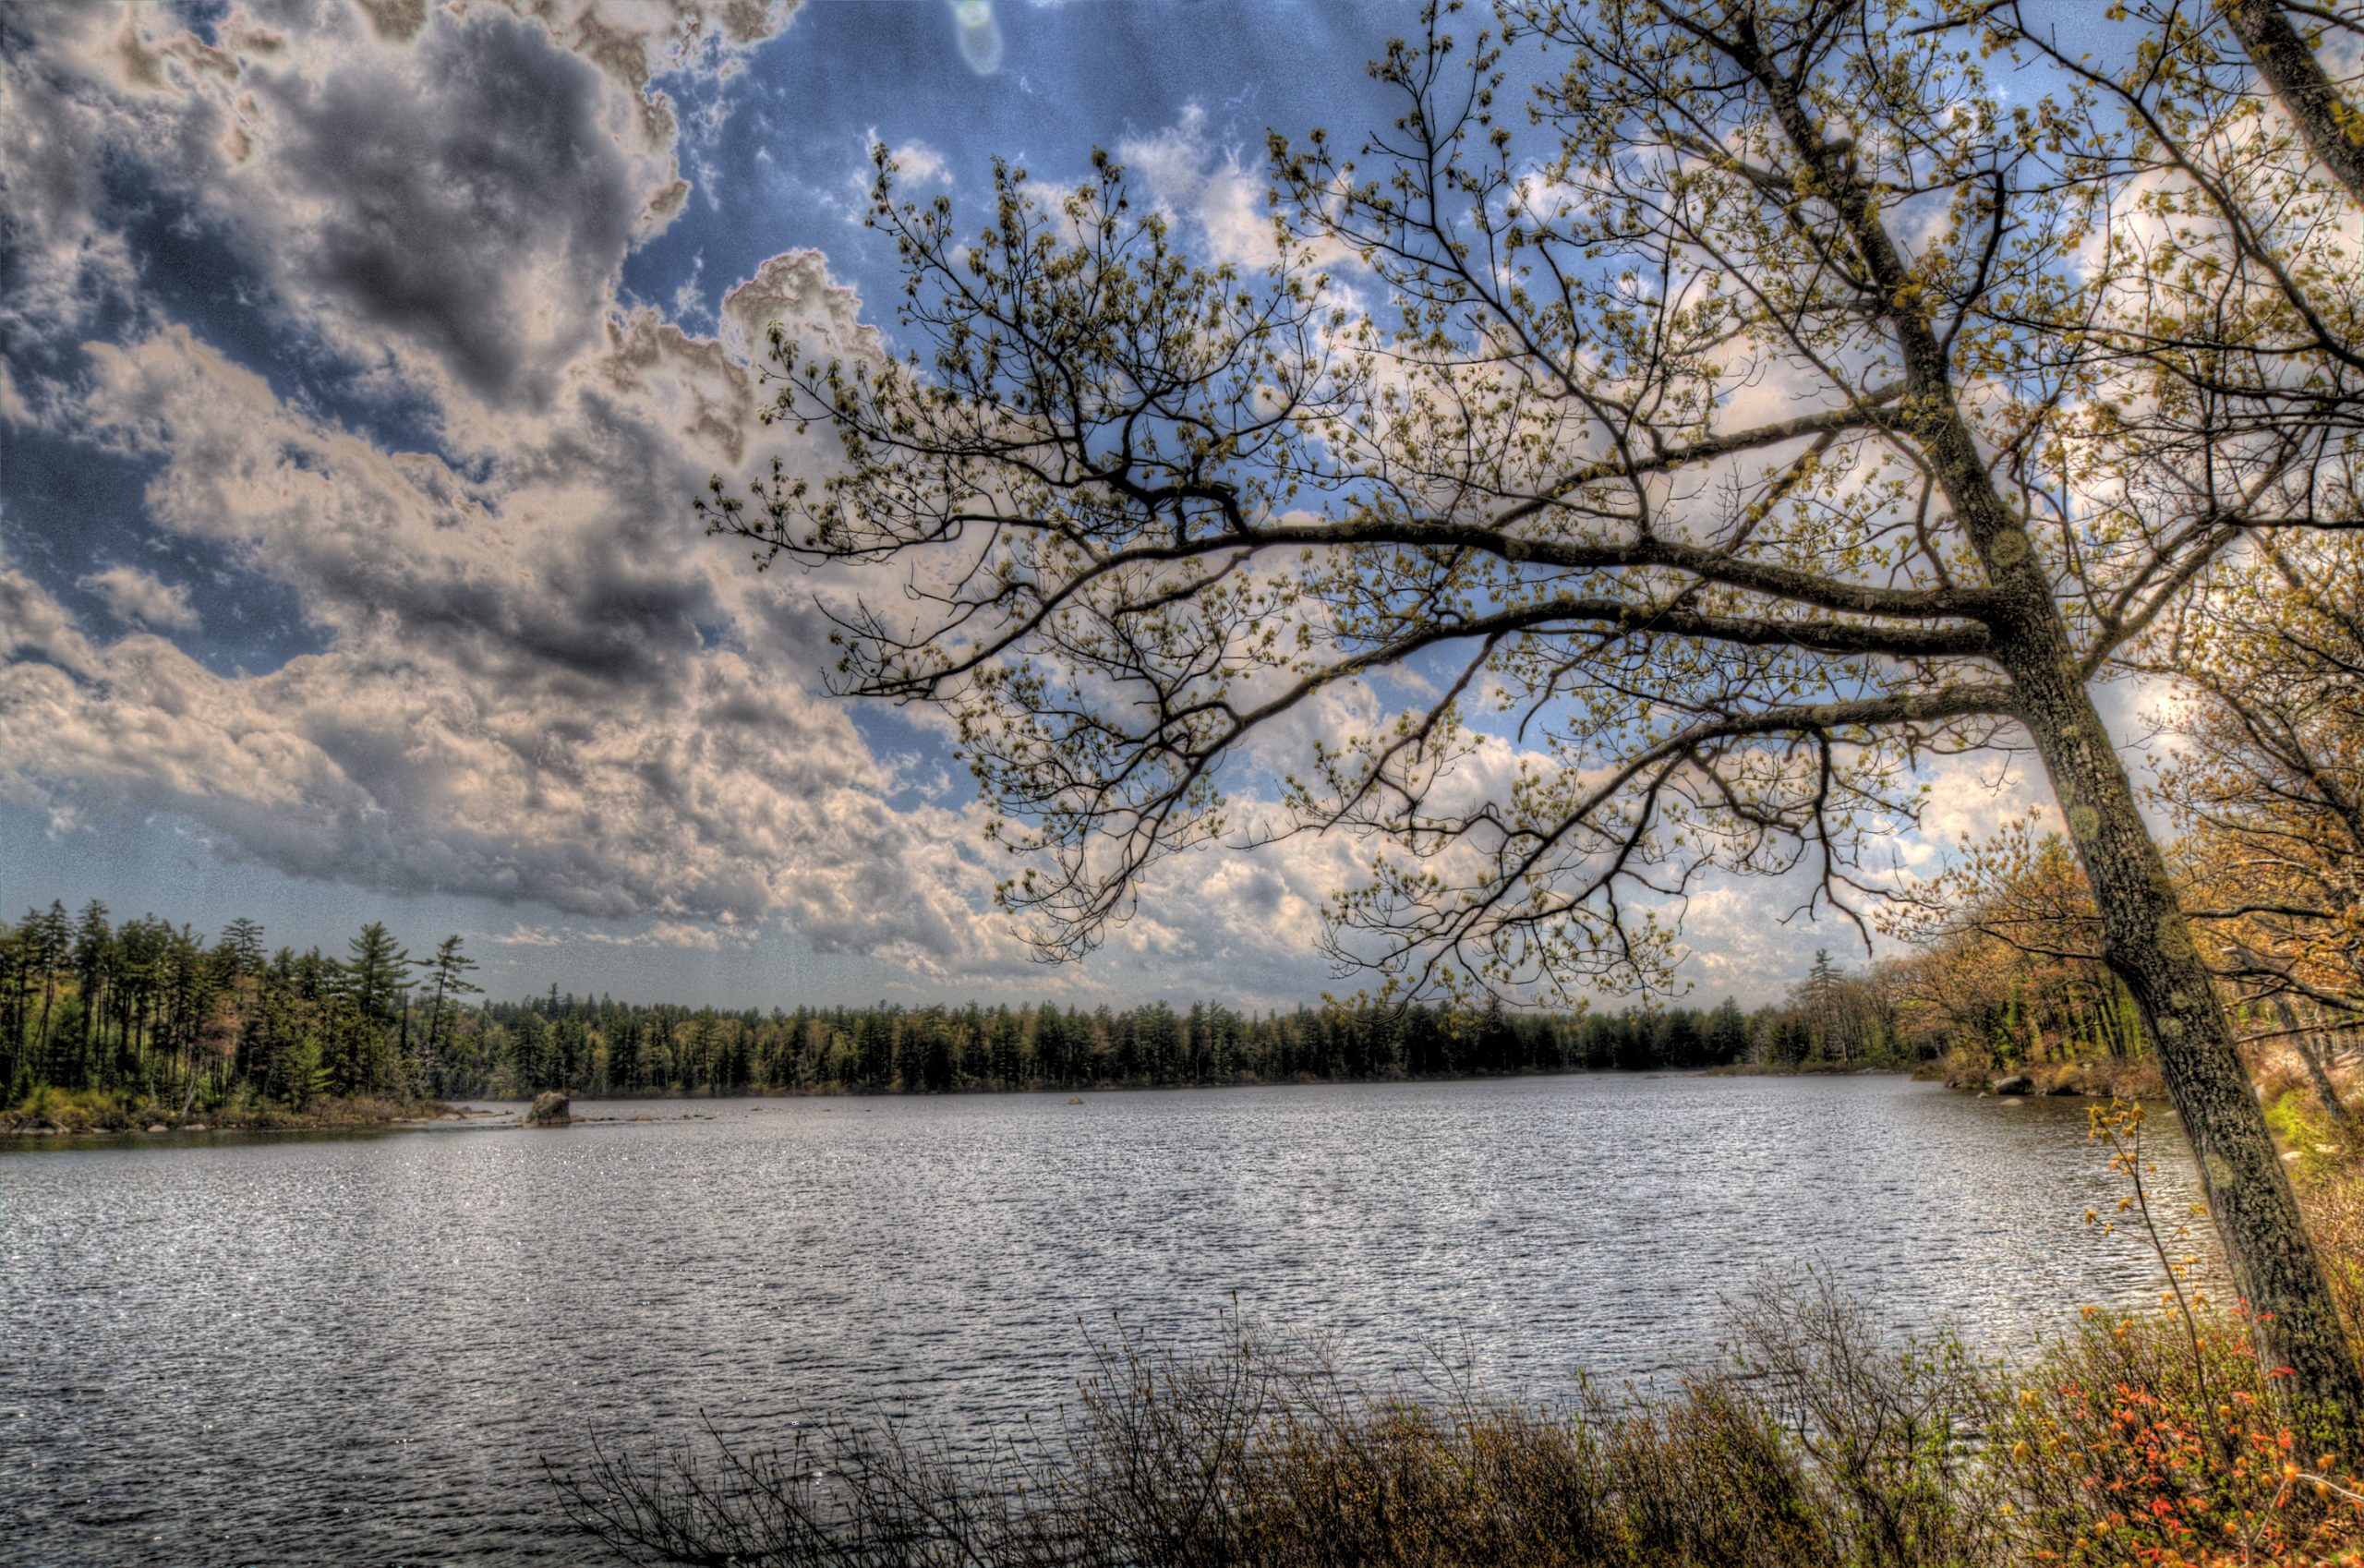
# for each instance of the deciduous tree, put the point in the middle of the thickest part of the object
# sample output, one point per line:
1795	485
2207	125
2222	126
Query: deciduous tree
1738	403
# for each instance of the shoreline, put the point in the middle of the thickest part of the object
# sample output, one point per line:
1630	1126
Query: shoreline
367	1116
2129	1079
2108	1077
360	1115
1814	1069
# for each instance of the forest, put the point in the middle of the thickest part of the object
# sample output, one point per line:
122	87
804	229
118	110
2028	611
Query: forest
159	1013
1996	964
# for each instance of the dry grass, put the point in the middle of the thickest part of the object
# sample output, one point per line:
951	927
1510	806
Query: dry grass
1819	1447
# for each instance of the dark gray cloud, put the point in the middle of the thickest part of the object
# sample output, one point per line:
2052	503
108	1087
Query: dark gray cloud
473	200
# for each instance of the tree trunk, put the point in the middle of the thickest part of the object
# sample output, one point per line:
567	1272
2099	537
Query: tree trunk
2146	940
2307	92
2308	1046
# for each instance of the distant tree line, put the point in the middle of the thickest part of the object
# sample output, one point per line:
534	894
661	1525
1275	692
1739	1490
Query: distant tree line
607	1047
155	1011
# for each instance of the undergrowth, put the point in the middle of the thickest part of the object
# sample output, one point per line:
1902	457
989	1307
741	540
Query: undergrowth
48	1109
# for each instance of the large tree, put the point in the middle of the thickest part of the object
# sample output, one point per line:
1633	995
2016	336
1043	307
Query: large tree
1732	402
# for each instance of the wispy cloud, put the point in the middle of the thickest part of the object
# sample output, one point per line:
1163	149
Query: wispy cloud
137	598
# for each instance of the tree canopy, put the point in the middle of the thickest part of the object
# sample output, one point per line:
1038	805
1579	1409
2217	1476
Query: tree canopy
1684	420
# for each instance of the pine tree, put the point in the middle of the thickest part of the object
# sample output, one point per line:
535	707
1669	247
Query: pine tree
450	969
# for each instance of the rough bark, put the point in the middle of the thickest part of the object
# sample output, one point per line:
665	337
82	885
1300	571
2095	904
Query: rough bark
2300	81
2147	941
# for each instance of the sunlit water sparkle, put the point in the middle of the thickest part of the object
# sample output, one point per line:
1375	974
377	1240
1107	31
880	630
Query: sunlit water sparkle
221	1349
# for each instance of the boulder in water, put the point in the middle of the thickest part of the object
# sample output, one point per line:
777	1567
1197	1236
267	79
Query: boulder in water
2016	1083
550	1109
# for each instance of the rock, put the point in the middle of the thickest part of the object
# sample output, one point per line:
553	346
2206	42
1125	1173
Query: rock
644	1117
2010	1100
2064	1086
2013	1083
550	1109
197	1127
157	1127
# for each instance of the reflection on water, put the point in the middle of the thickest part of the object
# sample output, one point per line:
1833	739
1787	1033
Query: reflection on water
358	1349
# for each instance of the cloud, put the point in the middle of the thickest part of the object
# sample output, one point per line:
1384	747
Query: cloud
469	198
540	683
34	625
1188	174
673	933
1974	798
531	678
795	290
59	260
916	164
536	679
446	193
136	598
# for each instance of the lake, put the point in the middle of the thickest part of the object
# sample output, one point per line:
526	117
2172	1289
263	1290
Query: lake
242	1348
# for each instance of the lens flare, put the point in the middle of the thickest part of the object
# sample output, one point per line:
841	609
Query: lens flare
979	35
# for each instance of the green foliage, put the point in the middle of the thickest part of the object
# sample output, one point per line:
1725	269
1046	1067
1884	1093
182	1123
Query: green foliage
153	1011
104	1024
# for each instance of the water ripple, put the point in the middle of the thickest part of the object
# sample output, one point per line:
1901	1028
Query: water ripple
358	1349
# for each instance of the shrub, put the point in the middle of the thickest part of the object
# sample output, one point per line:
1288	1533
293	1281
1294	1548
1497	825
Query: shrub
2129	1445
1261	1457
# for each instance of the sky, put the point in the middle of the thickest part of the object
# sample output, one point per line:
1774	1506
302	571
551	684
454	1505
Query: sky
363	360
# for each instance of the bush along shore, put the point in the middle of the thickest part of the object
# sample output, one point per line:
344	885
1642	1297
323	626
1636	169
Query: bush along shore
2151	1439
47	1112
2123	1078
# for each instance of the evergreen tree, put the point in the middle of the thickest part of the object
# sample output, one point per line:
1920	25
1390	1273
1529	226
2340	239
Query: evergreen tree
450	984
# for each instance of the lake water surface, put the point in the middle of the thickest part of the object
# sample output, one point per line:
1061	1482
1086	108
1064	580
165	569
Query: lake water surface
219	1349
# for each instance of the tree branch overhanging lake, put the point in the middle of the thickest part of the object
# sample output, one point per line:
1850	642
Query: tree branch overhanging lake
1757	403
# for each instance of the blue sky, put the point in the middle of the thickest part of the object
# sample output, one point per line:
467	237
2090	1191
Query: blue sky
363	361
